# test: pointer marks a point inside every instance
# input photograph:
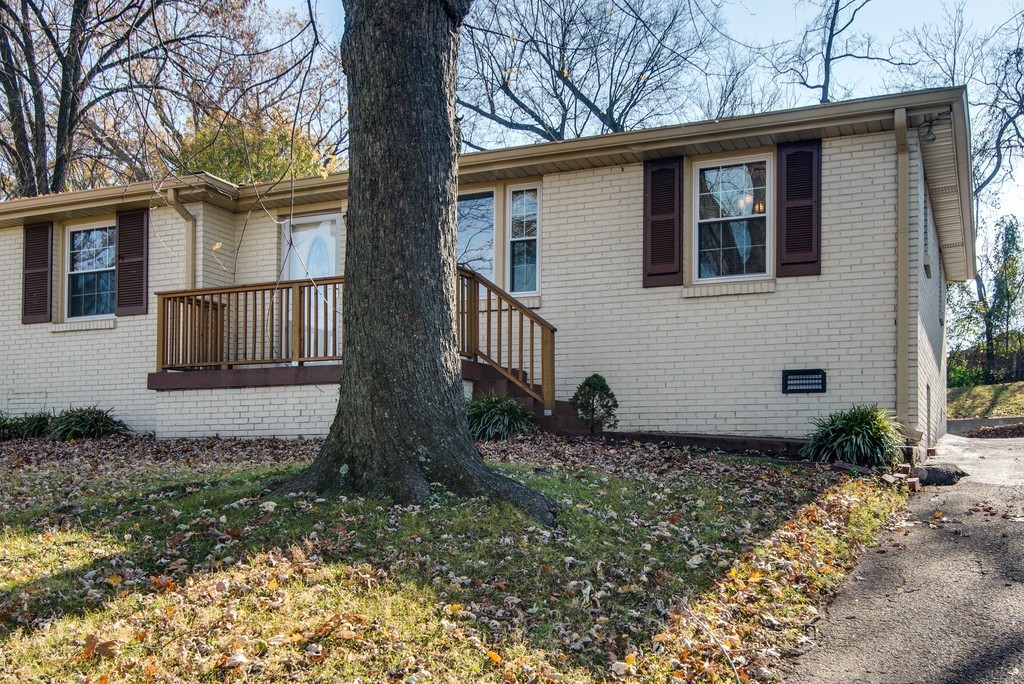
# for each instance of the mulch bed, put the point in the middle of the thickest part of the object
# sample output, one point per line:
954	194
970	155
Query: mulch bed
998	431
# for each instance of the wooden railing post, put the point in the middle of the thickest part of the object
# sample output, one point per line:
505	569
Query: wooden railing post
297	322
547	350
161	332
473	318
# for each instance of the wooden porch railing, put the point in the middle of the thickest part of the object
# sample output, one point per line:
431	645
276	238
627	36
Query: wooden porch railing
299	321
294	321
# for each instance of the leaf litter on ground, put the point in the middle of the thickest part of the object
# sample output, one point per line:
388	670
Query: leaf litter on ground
668	564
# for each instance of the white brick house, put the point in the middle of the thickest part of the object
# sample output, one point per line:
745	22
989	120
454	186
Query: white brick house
818	238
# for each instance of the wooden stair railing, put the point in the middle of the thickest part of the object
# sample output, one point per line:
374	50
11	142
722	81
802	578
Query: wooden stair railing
299	321
509	337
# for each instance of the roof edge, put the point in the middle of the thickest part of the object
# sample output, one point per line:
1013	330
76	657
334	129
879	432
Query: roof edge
190	188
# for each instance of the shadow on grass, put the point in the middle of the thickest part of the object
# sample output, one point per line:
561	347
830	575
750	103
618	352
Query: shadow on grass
603	582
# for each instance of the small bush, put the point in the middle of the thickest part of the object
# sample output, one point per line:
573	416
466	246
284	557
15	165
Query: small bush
31	425
962	374
81	423
864	435
495	416
595	403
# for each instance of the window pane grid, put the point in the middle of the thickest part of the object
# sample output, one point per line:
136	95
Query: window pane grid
523	236
732	209
91	281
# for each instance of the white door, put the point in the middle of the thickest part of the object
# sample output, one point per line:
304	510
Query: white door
313	254
314	249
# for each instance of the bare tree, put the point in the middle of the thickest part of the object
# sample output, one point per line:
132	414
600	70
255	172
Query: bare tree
558	69
735	84
95	93
828	40
991	64
401	422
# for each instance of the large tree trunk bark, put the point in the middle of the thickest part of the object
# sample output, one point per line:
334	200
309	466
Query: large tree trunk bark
401	422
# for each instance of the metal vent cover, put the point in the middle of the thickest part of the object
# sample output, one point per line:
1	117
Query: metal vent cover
809	381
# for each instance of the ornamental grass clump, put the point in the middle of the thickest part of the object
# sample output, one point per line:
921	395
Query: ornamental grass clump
31	425
864	435
6	427
85	423
496	416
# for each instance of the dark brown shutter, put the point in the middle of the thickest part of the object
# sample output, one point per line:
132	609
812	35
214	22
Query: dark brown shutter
37	273
799	209
132	253
663	223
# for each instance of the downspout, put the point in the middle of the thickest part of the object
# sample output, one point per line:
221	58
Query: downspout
190	237
902	270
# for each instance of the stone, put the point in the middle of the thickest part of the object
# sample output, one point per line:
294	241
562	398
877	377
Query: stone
941	474
913	484
843	465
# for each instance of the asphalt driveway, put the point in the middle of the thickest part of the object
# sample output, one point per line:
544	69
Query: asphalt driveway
943	603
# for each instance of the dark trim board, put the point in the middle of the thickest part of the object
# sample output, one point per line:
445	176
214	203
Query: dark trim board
277	376
770	445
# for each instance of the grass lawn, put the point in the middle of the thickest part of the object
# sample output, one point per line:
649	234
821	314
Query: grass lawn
128	560
987	401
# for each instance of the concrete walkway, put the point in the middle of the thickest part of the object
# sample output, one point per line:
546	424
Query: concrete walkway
945	603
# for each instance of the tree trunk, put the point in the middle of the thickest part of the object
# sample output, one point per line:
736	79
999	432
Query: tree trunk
401	422
986	318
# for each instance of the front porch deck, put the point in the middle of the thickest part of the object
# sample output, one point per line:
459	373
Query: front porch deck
289	332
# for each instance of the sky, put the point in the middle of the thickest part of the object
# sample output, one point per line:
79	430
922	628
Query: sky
762	22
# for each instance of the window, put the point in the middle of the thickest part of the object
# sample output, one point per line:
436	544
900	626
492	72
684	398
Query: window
91	275
732	227
476	233
314	250
523	238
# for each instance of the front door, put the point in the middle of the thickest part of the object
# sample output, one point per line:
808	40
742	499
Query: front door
315	253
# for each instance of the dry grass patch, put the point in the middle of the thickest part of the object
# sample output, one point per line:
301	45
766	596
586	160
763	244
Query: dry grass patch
127	560
986	401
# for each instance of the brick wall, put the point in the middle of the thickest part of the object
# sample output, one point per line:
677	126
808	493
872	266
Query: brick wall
105	362
684	362
927	311
696	358
216	245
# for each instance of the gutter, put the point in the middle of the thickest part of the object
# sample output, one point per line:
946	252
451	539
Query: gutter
190	237
902	269
962	152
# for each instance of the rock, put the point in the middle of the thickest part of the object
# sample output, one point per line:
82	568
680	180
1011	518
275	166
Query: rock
843	465
939	474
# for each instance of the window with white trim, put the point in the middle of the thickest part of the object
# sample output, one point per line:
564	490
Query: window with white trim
524	240
91	279
733	226
475	214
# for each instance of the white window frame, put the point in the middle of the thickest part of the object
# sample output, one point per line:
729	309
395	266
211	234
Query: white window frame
66	285
509	240
493	192
769	217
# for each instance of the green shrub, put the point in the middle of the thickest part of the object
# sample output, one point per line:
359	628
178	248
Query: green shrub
962	374
80	423
864	435
496	416
31	425
595	403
